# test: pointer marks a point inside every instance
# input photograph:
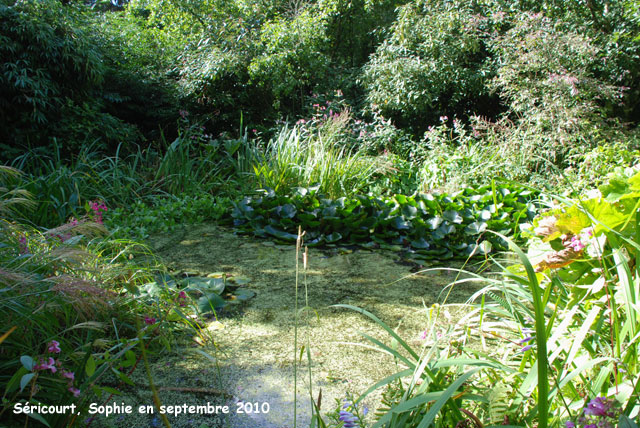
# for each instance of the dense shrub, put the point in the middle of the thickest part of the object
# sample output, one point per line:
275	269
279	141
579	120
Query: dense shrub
546	76
48	63
293	57
433	64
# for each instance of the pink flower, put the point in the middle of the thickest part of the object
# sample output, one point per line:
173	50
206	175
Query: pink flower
182	298
69	375
98	208
576	245
74	391
149	320
54	347
423	335
23	245
50	365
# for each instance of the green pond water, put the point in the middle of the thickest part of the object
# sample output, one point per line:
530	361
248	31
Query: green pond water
250	368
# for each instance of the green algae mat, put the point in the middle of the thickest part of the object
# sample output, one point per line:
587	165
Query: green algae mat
246	376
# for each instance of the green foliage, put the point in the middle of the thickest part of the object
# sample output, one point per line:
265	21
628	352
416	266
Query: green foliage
546	74
434	63
585	279
201	295
46	61
76	308
591	168
164	215
63	285
554	336
308	156
434	386
65	76
293	56
425	226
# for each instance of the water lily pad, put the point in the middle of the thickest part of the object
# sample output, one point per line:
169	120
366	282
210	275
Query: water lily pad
434	222
241	295
286	211
452	216
217	275
281	234
241	280
475	228
409	212
204	285
421	244
399	223
210	302
333	237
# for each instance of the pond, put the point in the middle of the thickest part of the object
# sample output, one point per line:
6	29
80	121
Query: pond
254	341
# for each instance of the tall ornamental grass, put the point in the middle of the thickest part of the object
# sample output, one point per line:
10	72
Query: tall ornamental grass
70	311
296	157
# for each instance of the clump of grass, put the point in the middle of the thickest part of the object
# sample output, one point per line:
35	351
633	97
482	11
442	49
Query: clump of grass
297	157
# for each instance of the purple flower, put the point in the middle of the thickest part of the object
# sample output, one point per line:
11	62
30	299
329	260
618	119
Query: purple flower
149	320
74	391
576	245
348	419
54	347
600	412
68	375
599	406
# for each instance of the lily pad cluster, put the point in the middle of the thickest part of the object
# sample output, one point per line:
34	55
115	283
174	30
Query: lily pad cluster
205	294
429	226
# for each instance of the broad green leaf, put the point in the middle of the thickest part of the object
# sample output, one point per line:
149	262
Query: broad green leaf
626	422
434	222
333	237
210	302
204	285
452	216
409	212
90	366
280	234
24	381
241	295
399	223
420	243
27	362
475	228
286	211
